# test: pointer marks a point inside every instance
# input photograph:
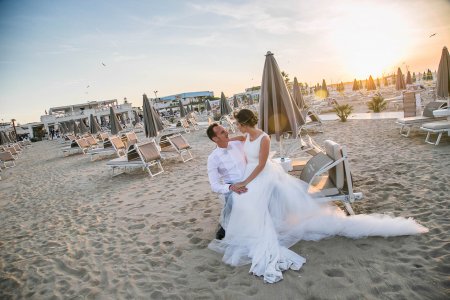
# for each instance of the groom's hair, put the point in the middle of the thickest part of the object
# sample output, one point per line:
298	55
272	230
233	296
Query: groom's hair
210	131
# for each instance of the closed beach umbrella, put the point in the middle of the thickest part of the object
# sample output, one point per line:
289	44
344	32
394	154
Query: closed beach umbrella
250	100
83	127
114	122
225	108
298	97
8	137
371	84
2	139
93	125
235	102
61	128
12	136
183	111
443	76
276	109
136	117
76	129
149	120
157	118
400	83
69	126
208	105
66	127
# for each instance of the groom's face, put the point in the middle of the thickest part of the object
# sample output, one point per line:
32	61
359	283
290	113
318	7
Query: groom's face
221	135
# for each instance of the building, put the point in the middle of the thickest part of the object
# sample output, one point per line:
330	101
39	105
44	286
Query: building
185	98
77	112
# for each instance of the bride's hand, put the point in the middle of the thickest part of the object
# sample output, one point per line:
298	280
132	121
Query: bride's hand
240	185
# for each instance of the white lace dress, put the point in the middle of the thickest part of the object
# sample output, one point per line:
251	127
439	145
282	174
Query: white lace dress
276	212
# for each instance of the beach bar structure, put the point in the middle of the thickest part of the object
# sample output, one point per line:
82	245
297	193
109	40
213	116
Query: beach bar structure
75	112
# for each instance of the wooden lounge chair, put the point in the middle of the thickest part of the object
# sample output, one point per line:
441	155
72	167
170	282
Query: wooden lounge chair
13	151
185	125
181	146
104	151
194	123
93	143
119	145
328	176
409	104
103	136
7	160
144	155
77	146
131	138
427	116
312	120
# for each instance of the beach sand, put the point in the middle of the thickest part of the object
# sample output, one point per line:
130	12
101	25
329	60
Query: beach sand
71	230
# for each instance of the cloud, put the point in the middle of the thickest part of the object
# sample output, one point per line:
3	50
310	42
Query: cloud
285	17
126	58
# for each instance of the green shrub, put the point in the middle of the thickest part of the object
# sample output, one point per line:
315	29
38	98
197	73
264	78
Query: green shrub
377	104
343	111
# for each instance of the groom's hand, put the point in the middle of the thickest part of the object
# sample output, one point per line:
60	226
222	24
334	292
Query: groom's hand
238	189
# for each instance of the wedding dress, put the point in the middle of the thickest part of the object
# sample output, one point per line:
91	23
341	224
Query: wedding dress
276	212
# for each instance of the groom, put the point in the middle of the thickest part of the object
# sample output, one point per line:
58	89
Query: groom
226	165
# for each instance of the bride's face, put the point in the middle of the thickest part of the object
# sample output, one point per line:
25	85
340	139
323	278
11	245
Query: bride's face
242	128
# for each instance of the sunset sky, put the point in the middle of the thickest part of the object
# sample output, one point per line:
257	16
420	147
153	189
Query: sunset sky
51	51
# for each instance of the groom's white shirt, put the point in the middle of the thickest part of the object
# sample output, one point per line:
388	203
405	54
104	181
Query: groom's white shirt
226	166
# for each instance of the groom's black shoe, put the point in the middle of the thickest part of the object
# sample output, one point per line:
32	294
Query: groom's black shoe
220	233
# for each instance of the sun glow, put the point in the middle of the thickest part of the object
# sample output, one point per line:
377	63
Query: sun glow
370	40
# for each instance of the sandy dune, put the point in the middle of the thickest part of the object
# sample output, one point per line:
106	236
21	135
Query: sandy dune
71	230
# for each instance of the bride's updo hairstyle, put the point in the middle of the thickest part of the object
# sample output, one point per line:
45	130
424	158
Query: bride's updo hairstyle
246	117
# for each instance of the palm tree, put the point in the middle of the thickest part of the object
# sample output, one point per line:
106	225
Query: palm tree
285	76
377	104
343	111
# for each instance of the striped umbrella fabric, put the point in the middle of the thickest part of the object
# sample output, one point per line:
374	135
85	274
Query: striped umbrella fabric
276	109
225	108
137	119
208	105
114	122
183	111
298	97
400	82
76	129
150	124
83	127
93	125
443	76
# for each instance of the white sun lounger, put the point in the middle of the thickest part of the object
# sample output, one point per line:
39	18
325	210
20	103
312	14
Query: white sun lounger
436	128
328	176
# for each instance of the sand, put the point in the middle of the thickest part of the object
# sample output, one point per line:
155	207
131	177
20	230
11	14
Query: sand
71	230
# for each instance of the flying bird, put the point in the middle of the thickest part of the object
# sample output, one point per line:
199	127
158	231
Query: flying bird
433	34
103	64
87	86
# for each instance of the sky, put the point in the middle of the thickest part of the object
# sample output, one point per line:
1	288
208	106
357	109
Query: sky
60	52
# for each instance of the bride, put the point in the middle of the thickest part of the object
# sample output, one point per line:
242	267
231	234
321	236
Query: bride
277	212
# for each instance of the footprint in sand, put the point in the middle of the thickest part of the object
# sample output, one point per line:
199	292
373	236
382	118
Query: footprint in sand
334	273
